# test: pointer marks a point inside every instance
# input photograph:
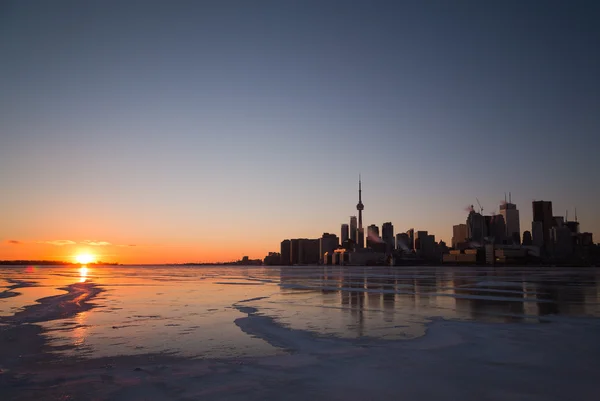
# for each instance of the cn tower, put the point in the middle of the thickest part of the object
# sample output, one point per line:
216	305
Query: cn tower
360	235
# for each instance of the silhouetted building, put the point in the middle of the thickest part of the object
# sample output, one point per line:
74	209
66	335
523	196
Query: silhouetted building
308	251
403	243
586	239
272	259
387	234
411	238
285	250
294	251
562	241
459	234
374	241
537	234
573	226
344	235
327	244
497	229
353	229
542	213
360	207
425	246
527	240
476	227
511	218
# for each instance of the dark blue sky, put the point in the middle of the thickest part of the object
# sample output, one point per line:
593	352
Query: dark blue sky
229	115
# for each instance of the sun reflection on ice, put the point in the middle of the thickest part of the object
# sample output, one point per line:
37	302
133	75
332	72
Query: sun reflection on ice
80	331
83	273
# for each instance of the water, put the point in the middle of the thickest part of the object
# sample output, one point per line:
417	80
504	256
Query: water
192	311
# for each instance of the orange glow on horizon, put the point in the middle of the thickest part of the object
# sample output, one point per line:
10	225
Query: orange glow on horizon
85	258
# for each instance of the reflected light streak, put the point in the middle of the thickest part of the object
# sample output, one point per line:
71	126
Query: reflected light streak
83	273
80	330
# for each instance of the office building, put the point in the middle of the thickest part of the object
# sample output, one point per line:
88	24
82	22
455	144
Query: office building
353	229
402	243
425	246
558	221
387	235
411	239
542	213
497	229
537	234
285	251
527	239
509	211
562	242
344	235
294	251
308	251
459	234
476	227
327	244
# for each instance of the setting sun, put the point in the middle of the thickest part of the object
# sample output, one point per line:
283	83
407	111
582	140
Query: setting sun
85	258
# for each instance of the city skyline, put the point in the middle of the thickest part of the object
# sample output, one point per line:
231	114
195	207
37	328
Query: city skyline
205	132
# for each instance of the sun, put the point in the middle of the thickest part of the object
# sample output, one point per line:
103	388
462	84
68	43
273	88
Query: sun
85	258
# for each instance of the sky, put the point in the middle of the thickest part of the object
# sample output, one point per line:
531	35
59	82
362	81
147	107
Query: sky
177	131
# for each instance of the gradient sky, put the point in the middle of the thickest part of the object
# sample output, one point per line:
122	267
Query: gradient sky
209	130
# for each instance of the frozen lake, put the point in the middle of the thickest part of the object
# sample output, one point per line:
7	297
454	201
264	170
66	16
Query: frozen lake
324	332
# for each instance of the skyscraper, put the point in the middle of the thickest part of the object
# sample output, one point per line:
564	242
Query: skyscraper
411	239
344	233
372	235
286	255
497	229
511	218
360	207
353	228
387	234
476	227
402	242
542	213
327	243
459	234
537	234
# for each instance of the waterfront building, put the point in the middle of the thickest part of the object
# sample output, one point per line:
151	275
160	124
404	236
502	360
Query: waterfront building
387	234
327	244
344	235
537	234
497	229
459	234
294	251
353	229
476	227
308	251
285	251
425	245
411	239
403	243
542	213
562	242
509	211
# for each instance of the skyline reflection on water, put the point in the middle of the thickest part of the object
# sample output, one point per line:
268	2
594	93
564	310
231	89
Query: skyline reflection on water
192	310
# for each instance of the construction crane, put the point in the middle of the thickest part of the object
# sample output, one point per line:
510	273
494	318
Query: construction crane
480	208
